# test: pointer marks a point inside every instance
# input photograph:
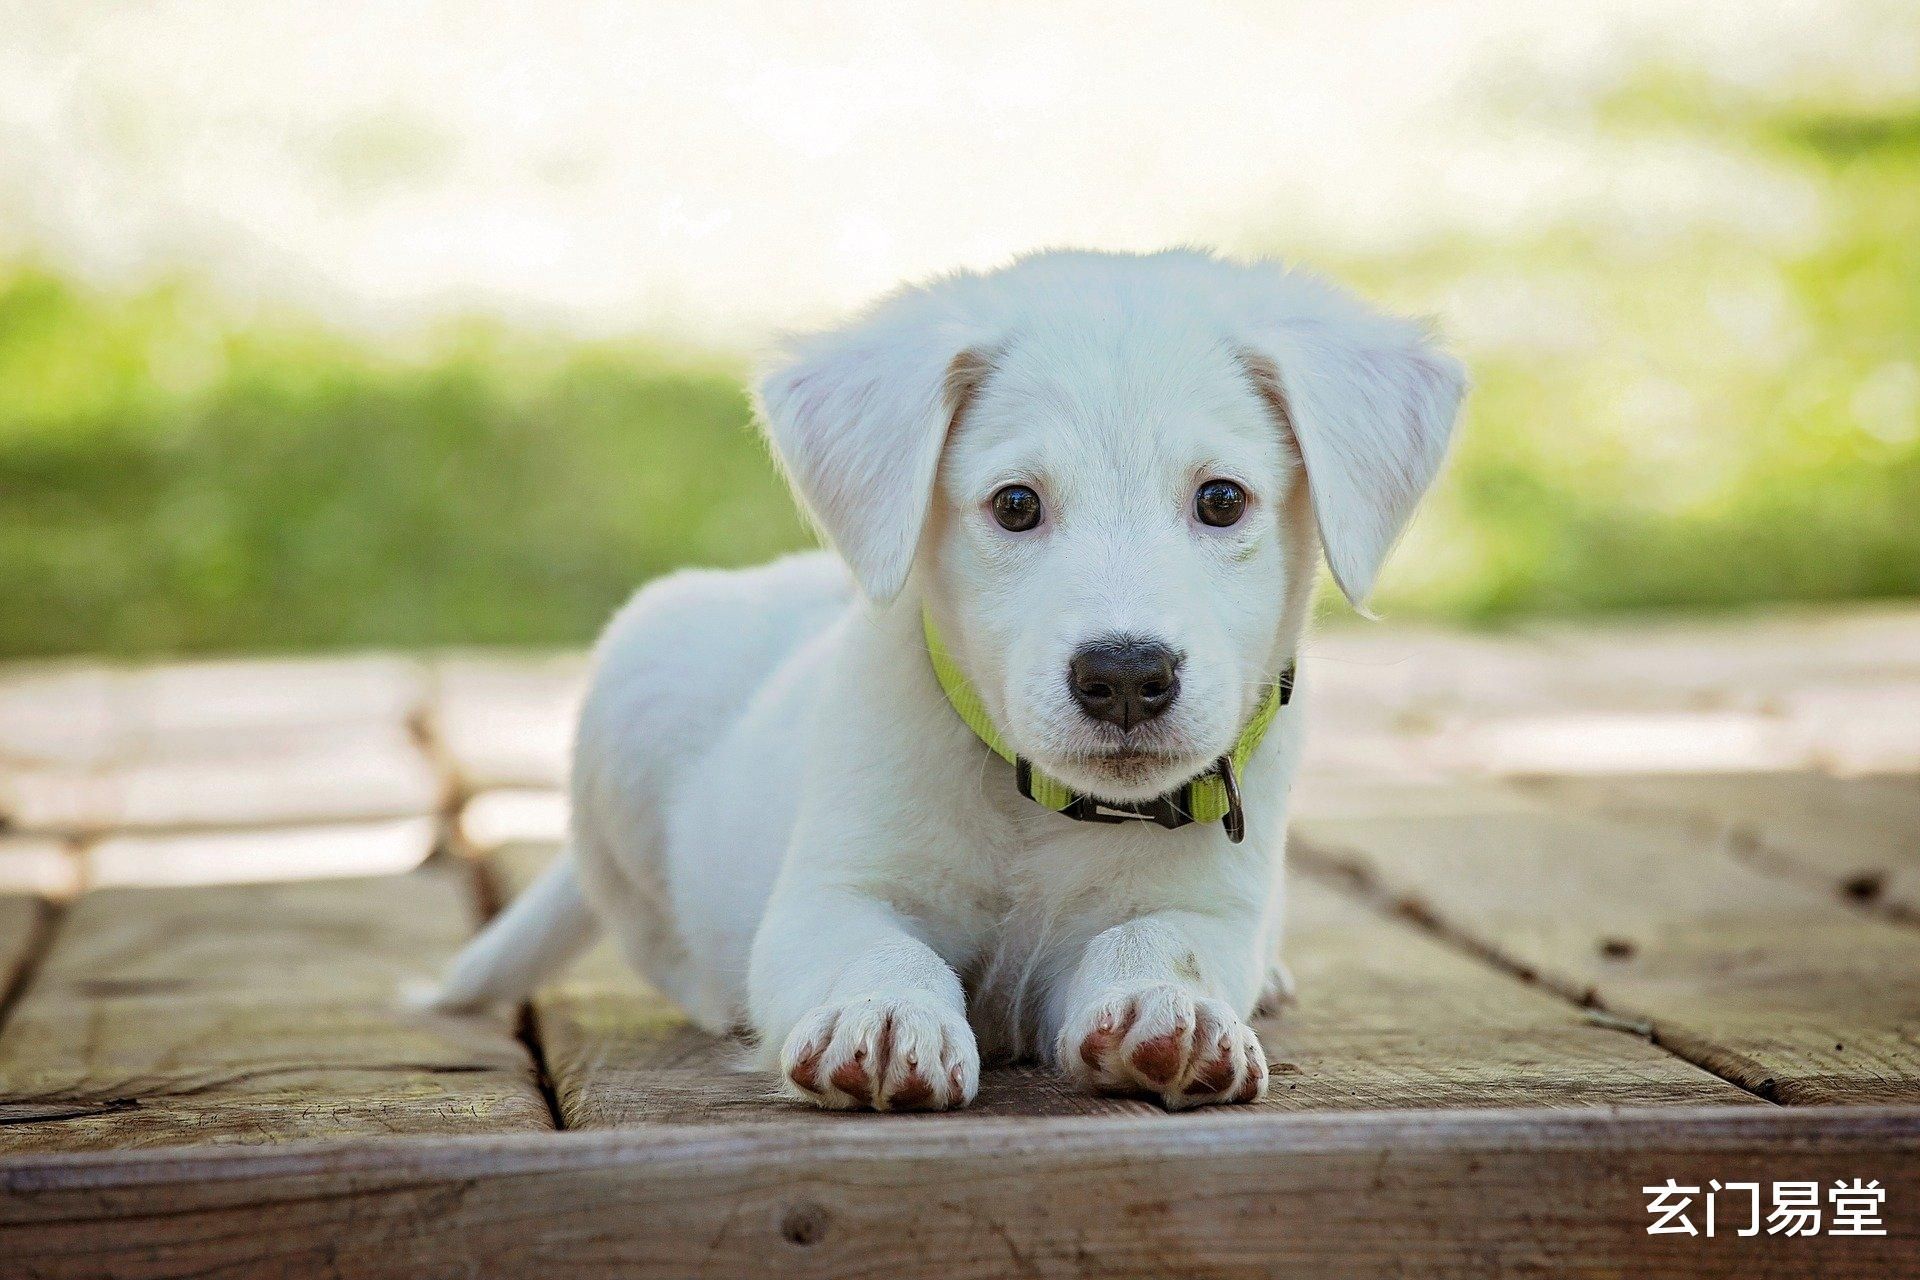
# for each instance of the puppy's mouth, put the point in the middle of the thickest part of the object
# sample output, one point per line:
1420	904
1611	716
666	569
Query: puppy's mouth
1134	763
1128	773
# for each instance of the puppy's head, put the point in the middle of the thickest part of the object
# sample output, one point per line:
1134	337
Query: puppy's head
1110	478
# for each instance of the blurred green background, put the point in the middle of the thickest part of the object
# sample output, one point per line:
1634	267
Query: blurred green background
1668	418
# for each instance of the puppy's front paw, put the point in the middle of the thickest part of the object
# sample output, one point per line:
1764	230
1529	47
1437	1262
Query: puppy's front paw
886	1053
1161	1040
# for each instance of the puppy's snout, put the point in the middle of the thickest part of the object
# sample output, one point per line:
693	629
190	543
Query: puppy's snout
1124	681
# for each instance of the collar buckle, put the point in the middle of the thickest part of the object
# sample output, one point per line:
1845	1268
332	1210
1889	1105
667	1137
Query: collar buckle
1171	811
1162	810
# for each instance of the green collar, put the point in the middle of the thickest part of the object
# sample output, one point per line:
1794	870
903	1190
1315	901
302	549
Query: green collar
1213	796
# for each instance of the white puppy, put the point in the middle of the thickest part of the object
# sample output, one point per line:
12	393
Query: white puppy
1099	486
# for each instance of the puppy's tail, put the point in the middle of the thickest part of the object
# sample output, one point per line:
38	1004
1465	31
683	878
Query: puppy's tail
542	931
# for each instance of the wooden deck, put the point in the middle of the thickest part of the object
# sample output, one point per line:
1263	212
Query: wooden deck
1576	911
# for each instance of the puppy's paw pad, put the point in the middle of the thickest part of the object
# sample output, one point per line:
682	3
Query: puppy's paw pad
802	1067
1162	1060
1215	1071
883	1053
1131	1041
1232	1068
1161	1041
851	1078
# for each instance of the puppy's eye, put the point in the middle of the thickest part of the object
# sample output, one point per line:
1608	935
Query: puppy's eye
1017	508
1220	503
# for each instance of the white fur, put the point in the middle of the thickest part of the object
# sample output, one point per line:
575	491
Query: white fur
784	823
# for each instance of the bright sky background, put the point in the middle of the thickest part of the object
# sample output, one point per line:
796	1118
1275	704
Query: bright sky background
713	170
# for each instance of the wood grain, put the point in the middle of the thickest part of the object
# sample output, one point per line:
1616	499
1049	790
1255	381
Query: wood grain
1768	983
343	773
254	1014
1475	1194
21	919
87	714
1435	1111
1736	659
1387	1018
327	851
1858	837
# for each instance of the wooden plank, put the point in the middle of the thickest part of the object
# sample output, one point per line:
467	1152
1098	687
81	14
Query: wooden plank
21	918
1381	696
1764	982
1832	688
59	712
1738	660
1336	796
1398	702
512	815
1857	729
1859	837
507	722
353	772
1475	1194
255	1014
197	708
274	853
93	715
1387	1018
88	749
48	866
1414	676
1836	689
1575	741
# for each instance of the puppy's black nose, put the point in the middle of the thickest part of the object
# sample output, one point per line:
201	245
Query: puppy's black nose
1124	681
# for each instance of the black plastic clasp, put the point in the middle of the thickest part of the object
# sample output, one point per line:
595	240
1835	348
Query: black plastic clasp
1170	811
1164	810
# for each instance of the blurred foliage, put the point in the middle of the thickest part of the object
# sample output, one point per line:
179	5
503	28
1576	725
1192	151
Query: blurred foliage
1693	420
1699	420
167	484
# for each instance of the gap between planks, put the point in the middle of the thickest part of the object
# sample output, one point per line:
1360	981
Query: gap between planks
1356	883
1857	839
488	899
1751	977
19	970
423	728
256	1013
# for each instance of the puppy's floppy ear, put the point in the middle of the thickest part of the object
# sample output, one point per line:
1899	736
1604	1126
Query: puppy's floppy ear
1370	402
858	418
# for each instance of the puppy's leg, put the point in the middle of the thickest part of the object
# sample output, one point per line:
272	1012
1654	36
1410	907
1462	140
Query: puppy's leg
1280	989
865	1013
1151	1009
